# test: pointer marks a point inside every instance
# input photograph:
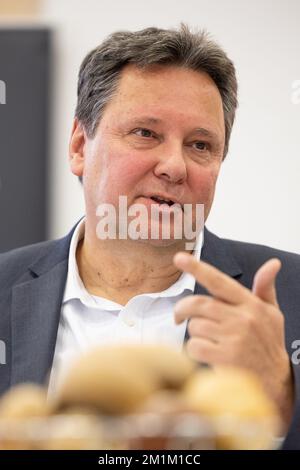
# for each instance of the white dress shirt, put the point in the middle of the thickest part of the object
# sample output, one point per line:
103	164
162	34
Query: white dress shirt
87	320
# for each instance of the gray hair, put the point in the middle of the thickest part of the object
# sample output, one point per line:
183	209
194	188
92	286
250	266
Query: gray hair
100	70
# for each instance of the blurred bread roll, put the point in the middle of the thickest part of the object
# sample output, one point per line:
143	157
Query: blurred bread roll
117	379
24	401
244	416
228	390
165	402
168	367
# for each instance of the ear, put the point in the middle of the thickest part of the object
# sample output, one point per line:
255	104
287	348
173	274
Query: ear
76	148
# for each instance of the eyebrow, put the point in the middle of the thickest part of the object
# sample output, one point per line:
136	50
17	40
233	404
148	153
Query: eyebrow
206	133
148	120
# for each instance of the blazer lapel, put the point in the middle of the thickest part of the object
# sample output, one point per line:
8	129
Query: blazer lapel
36	305
216	252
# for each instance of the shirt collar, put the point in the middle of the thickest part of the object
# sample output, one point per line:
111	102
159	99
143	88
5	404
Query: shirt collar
75	288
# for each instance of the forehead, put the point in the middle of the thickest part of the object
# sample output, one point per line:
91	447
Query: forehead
167	92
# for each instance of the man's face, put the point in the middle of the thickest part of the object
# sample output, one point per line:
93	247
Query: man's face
161	134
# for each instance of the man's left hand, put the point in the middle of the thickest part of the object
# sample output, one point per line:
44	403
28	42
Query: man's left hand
238	327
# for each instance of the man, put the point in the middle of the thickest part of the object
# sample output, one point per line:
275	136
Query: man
153	121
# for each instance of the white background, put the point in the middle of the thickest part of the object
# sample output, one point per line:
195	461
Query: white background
258	192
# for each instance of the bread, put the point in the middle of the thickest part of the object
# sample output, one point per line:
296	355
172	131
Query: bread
234	399
24	401
116	380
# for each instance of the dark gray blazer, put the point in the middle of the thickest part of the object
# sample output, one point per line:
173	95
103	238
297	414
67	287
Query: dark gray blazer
32	281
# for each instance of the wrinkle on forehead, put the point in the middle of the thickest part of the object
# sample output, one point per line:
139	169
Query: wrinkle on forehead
170	94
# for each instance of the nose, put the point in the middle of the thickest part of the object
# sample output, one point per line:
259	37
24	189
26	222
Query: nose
171	165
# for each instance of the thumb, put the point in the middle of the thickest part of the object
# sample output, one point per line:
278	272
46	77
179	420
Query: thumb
264	281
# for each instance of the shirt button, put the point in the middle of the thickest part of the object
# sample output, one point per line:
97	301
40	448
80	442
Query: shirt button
129	322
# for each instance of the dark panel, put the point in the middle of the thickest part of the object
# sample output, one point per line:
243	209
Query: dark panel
24	68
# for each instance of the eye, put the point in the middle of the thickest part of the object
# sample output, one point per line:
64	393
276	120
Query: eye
142	132
200	145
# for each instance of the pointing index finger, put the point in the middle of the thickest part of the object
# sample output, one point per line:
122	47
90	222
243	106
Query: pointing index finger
220	285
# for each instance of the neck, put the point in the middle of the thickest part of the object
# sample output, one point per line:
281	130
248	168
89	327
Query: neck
120	269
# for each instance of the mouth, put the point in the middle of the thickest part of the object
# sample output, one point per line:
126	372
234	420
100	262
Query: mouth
160	200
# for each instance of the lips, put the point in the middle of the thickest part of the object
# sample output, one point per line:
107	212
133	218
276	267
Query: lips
160	200
163	199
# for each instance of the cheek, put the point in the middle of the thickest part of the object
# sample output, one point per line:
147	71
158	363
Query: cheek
127	172
202	184
132	168
118	170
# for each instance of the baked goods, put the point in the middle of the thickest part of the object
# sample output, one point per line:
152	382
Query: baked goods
140	397
24	401
234	399
115	380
